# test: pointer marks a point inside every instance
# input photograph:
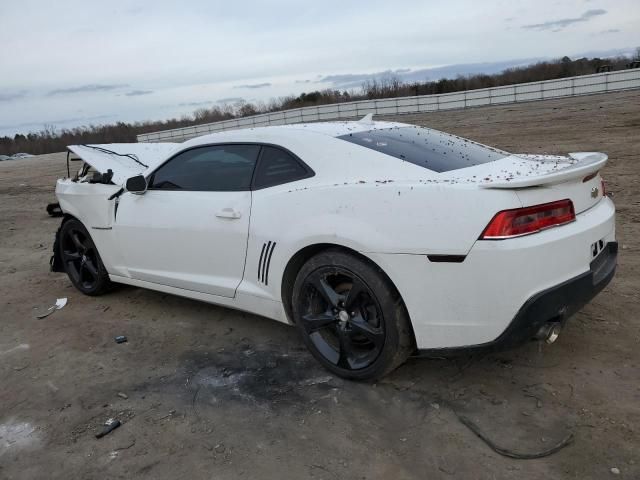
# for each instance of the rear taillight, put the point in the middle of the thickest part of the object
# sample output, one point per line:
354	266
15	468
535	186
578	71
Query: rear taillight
524	221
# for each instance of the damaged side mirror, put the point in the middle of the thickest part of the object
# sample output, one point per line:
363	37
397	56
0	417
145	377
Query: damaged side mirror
137	185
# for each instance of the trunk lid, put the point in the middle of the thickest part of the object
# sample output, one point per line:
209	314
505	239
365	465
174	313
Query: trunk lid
540	179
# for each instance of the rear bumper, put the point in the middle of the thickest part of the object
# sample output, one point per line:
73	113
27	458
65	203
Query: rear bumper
475	301
555	304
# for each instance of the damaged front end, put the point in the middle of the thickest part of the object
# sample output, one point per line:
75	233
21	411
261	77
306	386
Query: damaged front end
82	179
91	194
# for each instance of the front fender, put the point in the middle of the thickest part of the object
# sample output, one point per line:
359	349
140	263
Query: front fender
88	202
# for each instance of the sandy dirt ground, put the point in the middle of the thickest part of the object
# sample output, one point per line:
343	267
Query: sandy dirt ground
207	392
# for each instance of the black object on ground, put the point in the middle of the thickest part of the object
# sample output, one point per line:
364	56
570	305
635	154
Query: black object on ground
54	209
109	426
120	339
510	453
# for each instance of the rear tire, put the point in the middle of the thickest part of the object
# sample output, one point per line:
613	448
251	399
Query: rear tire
350	316
81	259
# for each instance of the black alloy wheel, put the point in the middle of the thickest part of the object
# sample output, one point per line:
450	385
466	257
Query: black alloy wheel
343	320
81	259
350	316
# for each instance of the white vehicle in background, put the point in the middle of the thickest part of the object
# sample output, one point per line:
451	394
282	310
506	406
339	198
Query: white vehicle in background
377	240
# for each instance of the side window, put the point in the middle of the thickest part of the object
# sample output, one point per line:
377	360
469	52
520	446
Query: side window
216	168
277	167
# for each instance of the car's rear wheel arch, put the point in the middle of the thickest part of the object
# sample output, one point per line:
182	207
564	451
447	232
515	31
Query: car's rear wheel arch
300	258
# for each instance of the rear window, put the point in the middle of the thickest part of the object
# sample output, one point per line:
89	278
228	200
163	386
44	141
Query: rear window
277	167
437	151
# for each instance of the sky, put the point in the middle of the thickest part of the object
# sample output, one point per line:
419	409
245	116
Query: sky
72	62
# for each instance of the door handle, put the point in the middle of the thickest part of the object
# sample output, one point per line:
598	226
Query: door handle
228	213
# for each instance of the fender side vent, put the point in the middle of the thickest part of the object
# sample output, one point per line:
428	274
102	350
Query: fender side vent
447	258
265	261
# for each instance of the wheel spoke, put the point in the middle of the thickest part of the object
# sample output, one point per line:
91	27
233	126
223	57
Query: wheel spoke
91	268
317	321
345	348
81	270
74	271
323	288
357	288
71	256
76	241
360	325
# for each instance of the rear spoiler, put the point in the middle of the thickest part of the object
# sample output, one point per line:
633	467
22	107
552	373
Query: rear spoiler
584	163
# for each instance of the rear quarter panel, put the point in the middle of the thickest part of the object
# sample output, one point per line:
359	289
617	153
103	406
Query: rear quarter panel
368	216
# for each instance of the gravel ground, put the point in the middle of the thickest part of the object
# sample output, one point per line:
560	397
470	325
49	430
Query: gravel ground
207	392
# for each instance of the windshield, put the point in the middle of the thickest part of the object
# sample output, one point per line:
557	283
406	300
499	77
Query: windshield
437	151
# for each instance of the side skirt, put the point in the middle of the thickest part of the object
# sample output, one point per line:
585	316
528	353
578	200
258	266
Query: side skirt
242	301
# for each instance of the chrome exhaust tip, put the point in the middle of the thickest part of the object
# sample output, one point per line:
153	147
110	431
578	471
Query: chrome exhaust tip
549	332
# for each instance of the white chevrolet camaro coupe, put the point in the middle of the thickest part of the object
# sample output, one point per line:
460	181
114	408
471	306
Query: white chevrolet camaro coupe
376	240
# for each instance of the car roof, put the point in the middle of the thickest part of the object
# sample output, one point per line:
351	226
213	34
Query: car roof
330	129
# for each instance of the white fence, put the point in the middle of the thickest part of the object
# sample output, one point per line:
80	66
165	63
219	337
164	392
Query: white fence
523	92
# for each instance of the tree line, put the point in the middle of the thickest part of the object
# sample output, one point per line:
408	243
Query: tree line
51	139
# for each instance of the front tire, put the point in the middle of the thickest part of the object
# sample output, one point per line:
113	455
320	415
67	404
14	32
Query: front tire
350	316
81	259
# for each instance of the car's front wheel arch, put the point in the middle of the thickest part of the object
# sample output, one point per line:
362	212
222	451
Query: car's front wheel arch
80	258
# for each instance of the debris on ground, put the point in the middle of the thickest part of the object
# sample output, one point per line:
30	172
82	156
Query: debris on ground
114	453
54	210
120	339
315	381
22	346
170	414
109	426
511	453
60	303
615	471
123	395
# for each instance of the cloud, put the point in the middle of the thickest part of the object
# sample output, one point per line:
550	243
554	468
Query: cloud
348	80
407	75
137	93
254	85
230	100
195	104
7	97
557	25
34	126
611	30
87	89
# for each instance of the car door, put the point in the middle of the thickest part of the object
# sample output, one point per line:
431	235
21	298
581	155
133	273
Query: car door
189	229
